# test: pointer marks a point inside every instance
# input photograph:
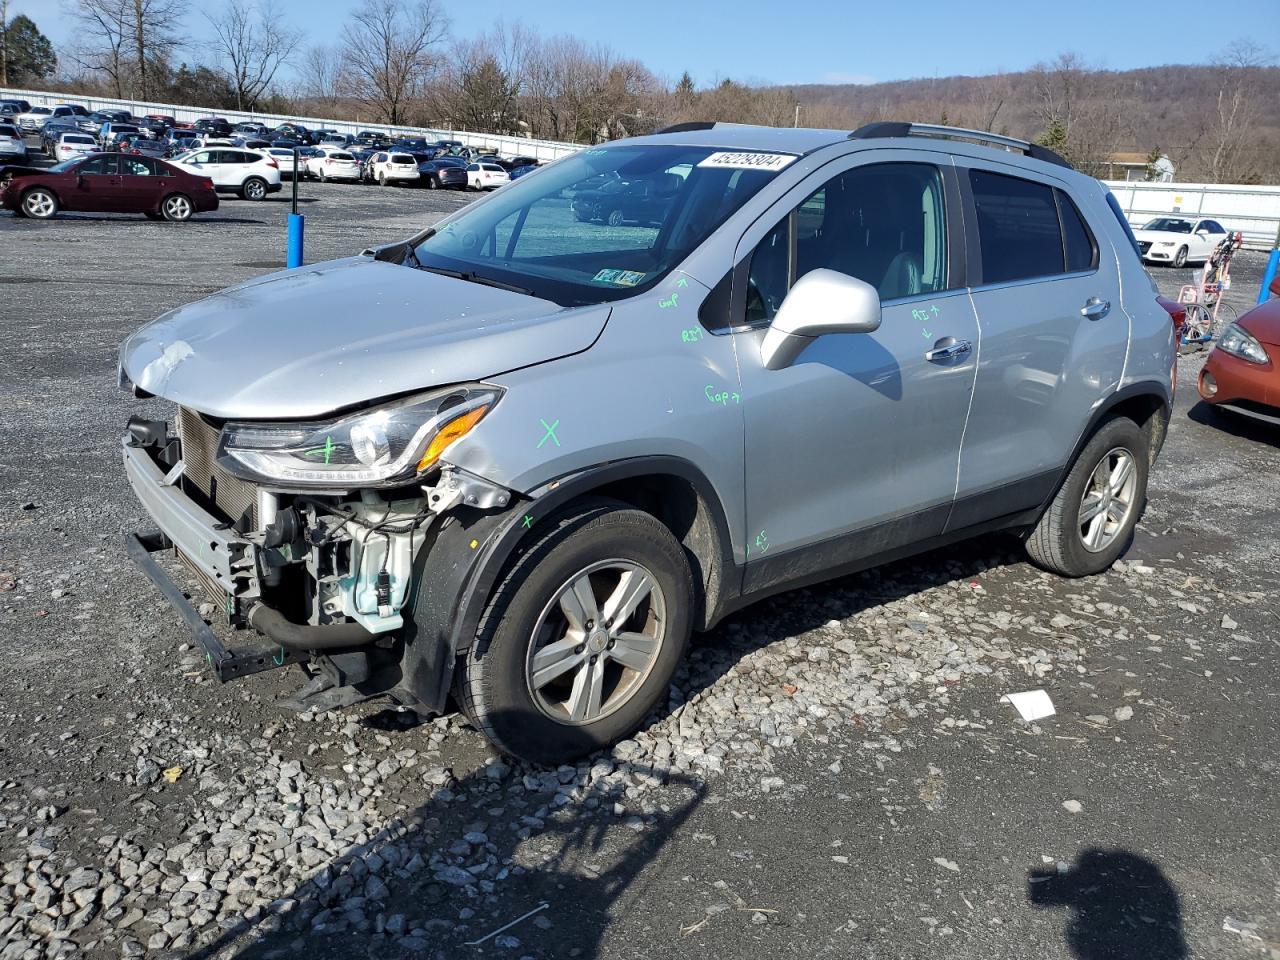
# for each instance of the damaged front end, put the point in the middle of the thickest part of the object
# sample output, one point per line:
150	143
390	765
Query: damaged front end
314	535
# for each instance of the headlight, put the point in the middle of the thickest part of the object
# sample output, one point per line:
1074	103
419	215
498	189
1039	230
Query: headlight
1237	342
383	447
1166	243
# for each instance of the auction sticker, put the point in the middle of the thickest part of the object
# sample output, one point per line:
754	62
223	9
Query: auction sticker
747	161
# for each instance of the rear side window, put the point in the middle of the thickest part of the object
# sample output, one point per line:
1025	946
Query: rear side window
1114	206
1077	241
104	165
1018	229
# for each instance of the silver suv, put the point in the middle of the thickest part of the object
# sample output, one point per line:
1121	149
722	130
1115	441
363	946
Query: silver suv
519	457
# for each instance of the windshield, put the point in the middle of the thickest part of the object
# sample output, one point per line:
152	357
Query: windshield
1169	225
563	238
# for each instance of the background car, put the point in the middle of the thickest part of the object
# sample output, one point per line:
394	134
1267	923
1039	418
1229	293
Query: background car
137	143
442	173
29	121
332	165
71	145
13	146
247	173
1179	240
339	141
109	183
393	167
295	132
112	132
486	176
643	200
13	107
283	157
1242	371
213	127
250	128
53	130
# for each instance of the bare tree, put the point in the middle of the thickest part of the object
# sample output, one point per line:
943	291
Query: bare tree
253	43
128	40
1229	127
476	91
320	74
391	52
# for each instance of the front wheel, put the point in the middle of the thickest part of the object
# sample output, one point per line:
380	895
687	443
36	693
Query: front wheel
40	204
582	636
1092	518
1180	258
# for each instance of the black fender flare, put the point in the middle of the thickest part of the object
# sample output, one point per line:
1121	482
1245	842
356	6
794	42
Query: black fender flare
462	558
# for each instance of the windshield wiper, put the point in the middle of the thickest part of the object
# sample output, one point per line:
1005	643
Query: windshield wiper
472	277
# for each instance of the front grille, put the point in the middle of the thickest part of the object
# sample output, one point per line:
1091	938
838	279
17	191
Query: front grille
1144	245
235	499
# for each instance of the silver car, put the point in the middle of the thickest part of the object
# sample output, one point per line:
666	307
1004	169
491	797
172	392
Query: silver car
518	458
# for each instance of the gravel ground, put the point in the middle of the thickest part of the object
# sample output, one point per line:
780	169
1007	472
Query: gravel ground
834	774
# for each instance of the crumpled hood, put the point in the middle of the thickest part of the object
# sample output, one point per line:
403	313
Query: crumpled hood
303	343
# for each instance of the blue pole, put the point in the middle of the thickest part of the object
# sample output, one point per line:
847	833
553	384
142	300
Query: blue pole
1268	275
295	240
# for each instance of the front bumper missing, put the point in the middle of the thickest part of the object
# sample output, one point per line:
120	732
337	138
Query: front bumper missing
225	664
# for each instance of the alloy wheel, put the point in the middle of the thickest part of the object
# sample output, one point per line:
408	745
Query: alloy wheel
1108	500
39	204
177	208
596	641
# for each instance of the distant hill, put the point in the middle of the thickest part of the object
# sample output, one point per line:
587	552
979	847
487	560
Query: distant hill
1173	108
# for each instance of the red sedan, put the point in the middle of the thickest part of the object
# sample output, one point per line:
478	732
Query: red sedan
107	183
1242	371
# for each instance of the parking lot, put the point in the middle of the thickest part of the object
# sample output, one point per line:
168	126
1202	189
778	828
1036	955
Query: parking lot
834	774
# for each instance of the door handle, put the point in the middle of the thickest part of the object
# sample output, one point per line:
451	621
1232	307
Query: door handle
948	348
1095	308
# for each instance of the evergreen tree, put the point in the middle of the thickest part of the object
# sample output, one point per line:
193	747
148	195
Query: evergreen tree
26	55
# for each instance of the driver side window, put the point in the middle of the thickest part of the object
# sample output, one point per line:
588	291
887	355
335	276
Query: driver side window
883	223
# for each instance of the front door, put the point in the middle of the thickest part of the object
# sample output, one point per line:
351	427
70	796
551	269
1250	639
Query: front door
97	187
1053	338
852	450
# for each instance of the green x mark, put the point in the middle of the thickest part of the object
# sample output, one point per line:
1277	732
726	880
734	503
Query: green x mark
327	450
528	520
550	434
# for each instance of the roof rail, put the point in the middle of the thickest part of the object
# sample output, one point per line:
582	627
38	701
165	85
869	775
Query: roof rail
897	128
686	127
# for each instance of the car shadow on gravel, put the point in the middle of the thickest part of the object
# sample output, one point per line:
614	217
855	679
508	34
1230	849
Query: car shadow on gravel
1237	424
1122	906
434	870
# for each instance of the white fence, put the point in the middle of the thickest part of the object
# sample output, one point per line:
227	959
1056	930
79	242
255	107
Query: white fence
1254	211
505	145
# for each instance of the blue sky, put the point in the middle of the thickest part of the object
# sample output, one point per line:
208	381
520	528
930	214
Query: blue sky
810	41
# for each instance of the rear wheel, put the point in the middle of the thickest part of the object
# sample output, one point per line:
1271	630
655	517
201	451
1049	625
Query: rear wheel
1092	518
40	203
382	179
255	188
177	207
581	637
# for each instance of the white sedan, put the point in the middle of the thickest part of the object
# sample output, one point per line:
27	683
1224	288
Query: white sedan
486	176
1179	240
74	145
12	146
332	165
393	168
248	173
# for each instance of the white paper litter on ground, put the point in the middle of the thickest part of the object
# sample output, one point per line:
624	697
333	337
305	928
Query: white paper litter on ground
1031	704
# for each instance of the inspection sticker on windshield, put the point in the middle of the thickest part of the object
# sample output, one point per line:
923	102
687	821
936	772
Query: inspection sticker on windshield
747	161
624	278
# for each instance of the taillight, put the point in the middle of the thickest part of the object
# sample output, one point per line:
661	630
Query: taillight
272	163
208	182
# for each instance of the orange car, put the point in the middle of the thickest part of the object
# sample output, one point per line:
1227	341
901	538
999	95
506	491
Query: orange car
1243	368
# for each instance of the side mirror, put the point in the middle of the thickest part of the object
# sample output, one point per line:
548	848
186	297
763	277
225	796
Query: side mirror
822	301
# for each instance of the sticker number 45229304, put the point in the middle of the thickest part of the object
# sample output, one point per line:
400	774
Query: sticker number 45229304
747	161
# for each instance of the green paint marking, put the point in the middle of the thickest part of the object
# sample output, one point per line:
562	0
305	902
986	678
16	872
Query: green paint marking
528	520
682	282
280	662
935	310
673	302
924	332
550	434
327	450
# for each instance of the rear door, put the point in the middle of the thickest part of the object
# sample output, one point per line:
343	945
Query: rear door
96	187
1054	336
140	183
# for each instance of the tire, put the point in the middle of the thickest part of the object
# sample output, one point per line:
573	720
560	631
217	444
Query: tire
615	218
177	207
254	188
597	542
324	177
1180	258
431	183
40	203
382	179
1059	542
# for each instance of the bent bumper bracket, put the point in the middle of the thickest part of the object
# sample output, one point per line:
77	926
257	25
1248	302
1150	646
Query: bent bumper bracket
225	664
